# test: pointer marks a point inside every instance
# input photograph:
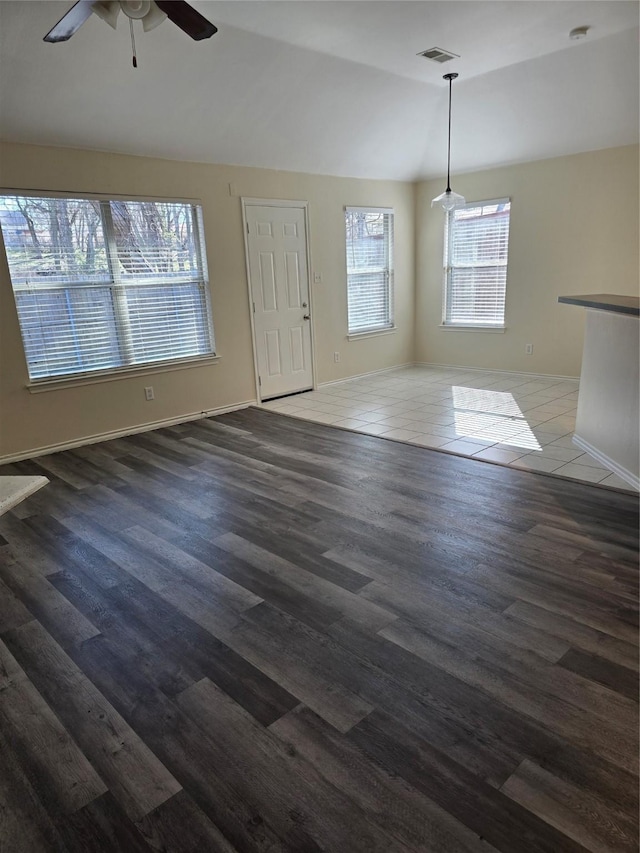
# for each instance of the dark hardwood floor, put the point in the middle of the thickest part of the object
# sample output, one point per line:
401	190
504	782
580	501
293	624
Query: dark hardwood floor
253	633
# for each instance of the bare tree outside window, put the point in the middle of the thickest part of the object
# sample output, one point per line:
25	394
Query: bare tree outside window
106	284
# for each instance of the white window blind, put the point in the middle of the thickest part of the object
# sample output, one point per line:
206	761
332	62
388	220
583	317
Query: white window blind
475	261
369	268
106	284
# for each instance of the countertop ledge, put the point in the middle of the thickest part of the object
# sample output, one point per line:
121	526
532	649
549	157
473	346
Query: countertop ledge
606	302
16	489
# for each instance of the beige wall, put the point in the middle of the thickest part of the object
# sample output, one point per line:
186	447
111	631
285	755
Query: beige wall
32	421
574	229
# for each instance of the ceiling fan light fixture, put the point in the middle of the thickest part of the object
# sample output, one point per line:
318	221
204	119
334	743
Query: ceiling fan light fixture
135	9
151	13
448	199
153	18
108	10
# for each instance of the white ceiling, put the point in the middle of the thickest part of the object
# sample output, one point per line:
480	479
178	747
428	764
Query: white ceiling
330	87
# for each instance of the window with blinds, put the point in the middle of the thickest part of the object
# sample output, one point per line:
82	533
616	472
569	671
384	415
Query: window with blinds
103	285
475	261
369	268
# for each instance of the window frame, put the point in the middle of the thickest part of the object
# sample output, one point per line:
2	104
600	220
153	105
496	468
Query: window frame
448	267
86	377
387	270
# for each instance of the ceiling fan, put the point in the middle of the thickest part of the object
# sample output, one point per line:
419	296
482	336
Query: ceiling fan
149	12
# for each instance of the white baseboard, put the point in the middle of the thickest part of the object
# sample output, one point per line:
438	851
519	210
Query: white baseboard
447	367
601	457
121	433
495	370
365	375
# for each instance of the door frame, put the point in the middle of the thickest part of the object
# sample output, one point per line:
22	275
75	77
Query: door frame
282	203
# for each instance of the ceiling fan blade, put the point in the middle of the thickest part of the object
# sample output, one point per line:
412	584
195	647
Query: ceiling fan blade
185	16
71	22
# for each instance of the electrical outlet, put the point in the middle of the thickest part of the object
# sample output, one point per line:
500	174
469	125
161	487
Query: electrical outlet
528	348
336	357
148	393
317	278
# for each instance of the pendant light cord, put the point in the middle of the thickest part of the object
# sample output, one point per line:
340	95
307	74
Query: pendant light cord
450	77
449	139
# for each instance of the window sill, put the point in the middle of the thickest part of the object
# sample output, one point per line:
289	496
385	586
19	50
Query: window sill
496	330
387	330
42	385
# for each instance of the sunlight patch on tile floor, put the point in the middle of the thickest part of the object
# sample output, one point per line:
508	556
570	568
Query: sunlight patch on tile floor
515	431
503	420
513	419
478	400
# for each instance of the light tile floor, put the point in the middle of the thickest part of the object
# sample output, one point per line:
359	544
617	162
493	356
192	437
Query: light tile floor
513	419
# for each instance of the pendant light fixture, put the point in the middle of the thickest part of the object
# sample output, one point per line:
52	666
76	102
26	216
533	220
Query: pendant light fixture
448	199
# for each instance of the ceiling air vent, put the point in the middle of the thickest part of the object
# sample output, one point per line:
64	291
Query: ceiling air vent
437	54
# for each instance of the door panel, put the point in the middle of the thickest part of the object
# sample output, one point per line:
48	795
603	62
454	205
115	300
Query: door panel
296	344
272	345
293	279
268	282
277	252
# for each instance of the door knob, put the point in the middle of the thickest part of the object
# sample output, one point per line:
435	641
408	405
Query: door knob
306	317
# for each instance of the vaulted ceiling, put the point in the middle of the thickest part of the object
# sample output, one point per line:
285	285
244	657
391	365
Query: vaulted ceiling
330	87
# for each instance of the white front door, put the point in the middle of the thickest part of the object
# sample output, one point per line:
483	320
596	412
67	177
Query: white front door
279	285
